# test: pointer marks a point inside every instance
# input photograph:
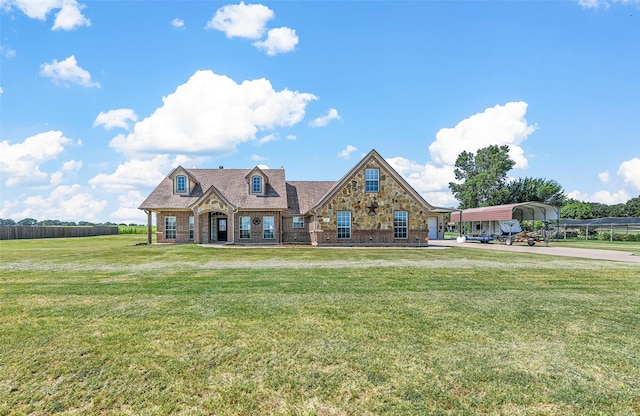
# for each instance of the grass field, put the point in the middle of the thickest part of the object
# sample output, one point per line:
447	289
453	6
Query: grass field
99	325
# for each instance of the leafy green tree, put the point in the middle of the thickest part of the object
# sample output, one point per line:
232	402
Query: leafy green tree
481	177
633	207
576	210
27	222
542	190
7	222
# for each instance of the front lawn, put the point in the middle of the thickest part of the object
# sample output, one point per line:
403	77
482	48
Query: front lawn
101	326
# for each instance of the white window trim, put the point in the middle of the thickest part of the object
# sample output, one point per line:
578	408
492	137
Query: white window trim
272	227
178	190
367	180
398	229
248	229
167	228
253	184
192	228
346	228
299	223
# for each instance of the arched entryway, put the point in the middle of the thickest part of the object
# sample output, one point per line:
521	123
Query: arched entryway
218	227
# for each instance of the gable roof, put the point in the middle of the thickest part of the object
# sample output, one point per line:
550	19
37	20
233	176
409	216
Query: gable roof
230	183
373	154
302	195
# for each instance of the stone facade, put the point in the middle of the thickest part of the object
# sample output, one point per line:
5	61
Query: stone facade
372	213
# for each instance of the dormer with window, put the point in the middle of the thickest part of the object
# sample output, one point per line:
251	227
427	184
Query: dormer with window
257	181
183	182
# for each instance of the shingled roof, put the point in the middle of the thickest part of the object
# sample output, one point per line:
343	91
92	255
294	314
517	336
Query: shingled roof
295	197
231	183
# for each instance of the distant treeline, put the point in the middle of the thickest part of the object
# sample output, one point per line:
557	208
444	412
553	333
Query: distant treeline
30	222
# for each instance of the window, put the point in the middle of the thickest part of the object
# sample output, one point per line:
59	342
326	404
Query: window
371	180
298	222
344	224
170	228
400	224
268	226
181	184
245	227
191	228
256	185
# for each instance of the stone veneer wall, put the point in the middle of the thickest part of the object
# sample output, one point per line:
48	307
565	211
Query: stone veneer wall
372	227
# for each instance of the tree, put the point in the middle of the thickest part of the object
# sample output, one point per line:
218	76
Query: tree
27	222
633	207
482	177
576	210
542	190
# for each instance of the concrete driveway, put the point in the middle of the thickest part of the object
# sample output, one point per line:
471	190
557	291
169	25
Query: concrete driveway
541	248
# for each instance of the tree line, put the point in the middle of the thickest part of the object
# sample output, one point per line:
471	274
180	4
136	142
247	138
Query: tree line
31	222
481	181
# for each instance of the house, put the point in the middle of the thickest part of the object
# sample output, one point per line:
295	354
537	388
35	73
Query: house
371	205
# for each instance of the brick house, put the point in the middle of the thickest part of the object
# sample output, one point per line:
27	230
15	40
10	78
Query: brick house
371	205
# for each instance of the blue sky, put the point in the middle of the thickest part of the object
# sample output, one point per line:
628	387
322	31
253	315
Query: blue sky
100	100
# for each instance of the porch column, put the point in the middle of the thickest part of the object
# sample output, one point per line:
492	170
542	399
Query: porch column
149	226
196	227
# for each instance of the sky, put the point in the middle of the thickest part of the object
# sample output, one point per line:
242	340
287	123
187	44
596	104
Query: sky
100	100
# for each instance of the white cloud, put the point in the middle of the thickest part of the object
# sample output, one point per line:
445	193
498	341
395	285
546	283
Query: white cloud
499	125
67	72
603	197
65	203
1	90
20	162
268	138
346	153
279	40
608	198
423	178
177	23
68	17
241	20
116	118
630	172
325	119
212	113
68	166
591	4
5	51
596	4
291	137
604	177
135	172
128	211
258	158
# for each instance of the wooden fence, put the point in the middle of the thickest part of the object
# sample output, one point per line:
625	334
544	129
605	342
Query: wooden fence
15	232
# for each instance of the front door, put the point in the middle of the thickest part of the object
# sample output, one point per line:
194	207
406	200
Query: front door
222	229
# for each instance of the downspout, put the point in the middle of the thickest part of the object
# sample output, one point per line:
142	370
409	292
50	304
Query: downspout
233	226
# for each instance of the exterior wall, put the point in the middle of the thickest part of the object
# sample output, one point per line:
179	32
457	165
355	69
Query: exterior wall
256	229
182	226
372	226
292	235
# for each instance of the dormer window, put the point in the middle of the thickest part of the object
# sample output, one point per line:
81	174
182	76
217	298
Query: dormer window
256	185
181	184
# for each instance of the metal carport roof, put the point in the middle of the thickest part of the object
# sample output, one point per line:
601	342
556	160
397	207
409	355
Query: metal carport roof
521	211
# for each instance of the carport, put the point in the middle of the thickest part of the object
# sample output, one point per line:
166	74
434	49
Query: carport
485	221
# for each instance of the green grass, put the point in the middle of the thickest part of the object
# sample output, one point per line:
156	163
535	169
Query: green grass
101	326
